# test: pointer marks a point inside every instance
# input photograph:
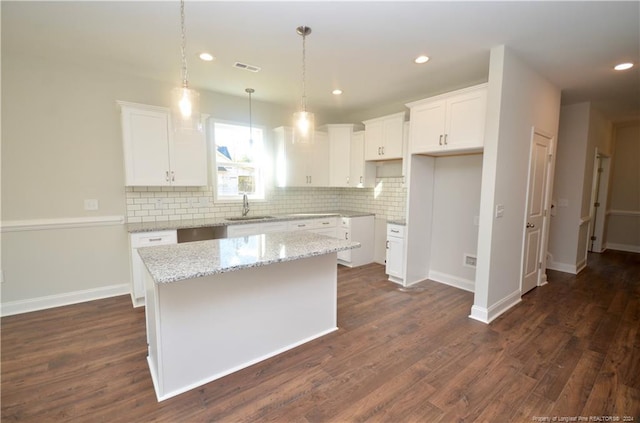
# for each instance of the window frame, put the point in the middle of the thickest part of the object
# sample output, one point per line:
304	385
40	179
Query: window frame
261	182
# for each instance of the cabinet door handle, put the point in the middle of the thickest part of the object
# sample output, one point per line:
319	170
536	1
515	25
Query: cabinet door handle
166	176
361	179
382	150
445	139
155	239
346	235
379	151
440	140
173	176
394	231
387	245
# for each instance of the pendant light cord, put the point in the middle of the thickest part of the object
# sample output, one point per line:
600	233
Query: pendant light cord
185	79
304	71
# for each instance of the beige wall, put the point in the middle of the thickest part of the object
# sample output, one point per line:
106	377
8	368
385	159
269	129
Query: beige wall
623	221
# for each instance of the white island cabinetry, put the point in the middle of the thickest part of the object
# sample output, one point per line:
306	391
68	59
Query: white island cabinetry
215	307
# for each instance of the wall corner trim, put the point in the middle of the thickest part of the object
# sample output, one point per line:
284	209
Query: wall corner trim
487	315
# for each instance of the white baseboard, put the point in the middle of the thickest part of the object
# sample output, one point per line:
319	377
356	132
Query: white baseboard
582	264
487	315
451	280
623	247
562	267
41	303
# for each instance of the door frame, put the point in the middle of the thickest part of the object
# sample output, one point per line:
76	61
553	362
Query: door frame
542	275
599	189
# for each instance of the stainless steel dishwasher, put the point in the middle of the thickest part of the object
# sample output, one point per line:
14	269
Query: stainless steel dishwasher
201	234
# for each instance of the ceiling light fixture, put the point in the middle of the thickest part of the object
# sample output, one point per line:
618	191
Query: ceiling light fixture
623	66
250	91
336	92
421	59
207	57
303	121
184	107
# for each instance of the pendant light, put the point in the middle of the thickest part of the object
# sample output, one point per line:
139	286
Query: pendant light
250	91
303	121
185	108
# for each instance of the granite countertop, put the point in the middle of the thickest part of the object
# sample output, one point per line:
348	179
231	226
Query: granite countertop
201	223
172	263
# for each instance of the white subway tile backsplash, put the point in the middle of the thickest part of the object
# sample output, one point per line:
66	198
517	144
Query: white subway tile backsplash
386	200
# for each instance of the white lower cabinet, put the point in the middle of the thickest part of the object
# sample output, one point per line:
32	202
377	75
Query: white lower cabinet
357	229
395	252
139	240
323	226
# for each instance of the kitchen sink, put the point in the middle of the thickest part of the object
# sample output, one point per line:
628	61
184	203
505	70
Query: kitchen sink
249	218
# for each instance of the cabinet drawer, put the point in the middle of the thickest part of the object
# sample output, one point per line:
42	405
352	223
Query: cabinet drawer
300	225
148	239
328	222
303	225
395	230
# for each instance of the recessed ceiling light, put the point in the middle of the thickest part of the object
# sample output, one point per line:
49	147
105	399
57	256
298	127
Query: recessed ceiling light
206	57
623	66
421	59
336	92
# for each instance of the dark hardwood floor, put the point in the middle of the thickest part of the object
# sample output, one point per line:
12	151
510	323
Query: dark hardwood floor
571	349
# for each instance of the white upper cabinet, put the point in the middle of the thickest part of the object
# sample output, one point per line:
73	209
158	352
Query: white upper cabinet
450	123
155	155
383	137
363	174
300	164
340	155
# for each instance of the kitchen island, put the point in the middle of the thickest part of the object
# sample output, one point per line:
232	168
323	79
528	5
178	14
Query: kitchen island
215	307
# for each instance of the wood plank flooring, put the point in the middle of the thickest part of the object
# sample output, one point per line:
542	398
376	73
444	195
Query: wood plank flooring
571	349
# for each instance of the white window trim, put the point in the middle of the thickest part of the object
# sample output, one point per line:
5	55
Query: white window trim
213	174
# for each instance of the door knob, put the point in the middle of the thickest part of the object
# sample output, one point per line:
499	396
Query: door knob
530	225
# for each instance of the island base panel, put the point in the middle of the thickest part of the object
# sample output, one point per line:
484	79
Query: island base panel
206	328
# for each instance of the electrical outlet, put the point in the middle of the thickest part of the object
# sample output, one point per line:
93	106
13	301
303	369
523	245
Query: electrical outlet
499	210
159	202
91	204
469	260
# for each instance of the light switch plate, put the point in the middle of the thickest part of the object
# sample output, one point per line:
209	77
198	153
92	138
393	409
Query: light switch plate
91	204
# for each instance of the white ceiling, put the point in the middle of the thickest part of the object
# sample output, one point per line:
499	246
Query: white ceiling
364	48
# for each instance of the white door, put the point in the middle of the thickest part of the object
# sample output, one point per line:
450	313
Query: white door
535	213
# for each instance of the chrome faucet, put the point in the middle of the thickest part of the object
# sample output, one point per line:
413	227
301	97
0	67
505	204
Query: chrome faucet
245	205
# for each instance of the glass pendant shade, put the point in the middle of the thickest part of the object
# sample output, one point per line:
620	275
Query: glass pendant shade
185	111
303	127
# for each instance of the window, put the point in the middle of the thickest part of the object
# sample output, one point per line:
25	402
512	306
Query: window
239	161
